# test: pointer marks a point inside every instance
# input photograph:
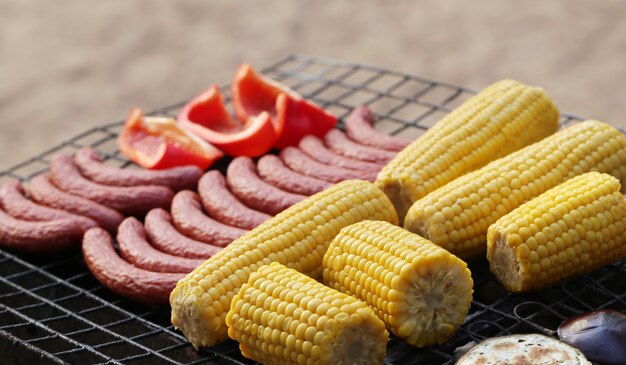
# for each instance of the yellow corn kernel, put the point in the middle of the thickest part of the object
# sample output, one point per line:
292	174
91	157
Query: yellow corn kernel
421	291
283	317
297	237
457	215
571	229
502	118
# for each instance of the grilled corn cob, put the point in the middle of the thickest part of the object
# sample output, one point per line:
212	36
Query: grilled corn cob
457	215
503	118
298	238
421	291
573	228
283	317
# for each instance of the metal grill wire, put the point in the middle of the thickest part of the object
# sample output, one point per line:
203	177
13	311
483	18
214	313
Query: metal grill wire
52	309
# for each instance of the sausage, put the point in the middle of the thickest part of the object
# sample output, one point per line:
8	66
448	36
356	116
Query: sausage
315	148
176	178
191	221
273	170
14	202
130	200
222	205
246	185
135	248
39	237
302	163
360	128
121	277
166	238
339	143
44	192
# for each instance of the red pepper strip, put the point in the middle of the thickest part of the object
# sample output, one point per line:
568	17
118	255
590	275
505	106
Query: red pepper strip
207	117
301	118
158	143
293	118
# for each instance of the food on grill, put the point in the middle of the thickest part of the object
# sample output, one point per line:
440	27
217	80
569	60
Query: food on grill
177	178
300	162
129	200
600	335
191	221
39	237
457	215
293	116
222	205
315	149
421	291
360	128
121	277
165	238
273	170
251	190
523	349
503	118
135	249
13	201
297	238
281	316
42	191
206	116
158	143
575	227
337	142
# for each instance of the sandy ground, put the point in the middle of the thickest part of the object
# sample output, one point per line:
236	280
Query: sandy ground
66	66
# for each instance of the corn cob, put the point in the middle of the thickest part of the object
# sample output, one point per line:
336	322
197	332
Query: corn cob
457	215
503	118
421	291
283	317
298	238
573	228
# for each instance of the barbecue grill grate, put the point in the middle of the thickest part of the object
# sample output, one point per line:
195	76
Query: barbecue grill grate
53	311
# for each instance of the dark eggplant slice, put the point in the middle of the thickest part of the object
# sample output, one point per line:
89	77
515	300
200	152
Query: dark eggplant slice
600	335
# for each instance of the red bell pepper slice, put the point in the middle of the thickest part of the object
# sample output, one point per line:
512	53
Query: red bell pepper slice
207	117
293	116
158	143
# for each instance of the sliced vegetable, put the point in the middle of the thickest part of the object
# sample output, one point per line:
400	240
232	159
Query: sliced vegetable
158	143
207	117
292	115
300	118
600	335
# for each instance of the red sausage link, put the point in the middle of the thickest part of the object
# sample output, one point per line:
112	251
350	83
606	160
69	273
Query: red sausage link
246	185
273	170
177	178
129	200
39	237
339	143
191	221
166	238
121	277
360	128
14	202
302	163
135	248
315	148
222	205
44	192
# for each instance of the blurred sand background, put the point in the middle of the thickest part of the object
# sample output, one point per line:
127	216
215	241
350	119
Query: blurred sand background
68	65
